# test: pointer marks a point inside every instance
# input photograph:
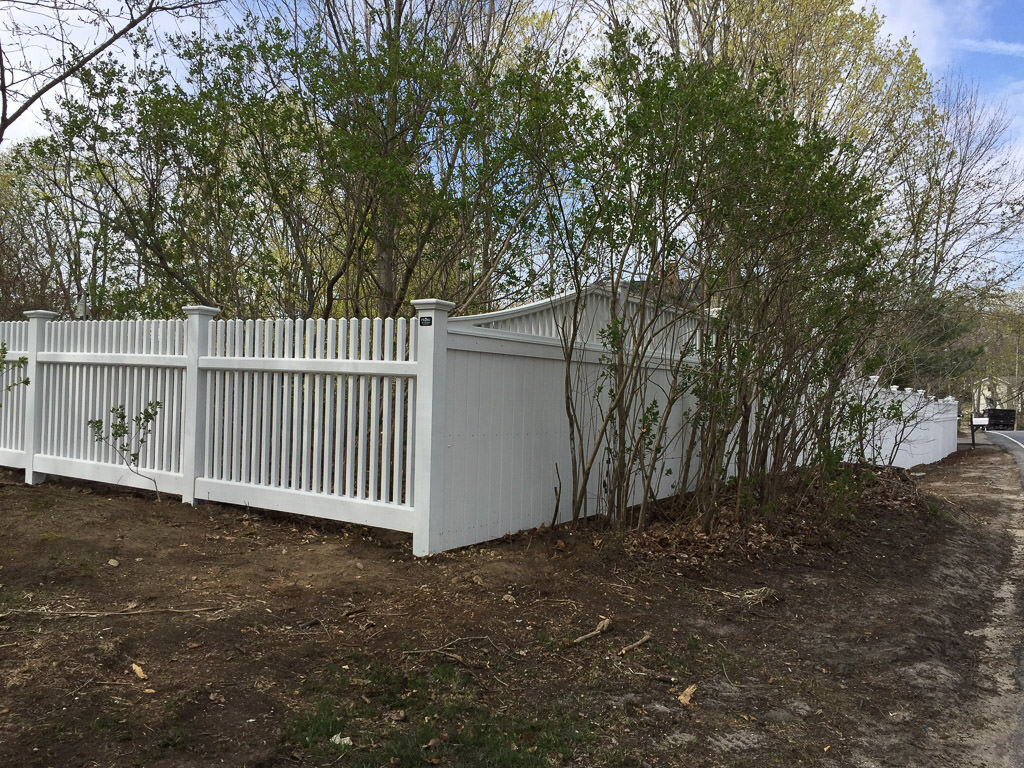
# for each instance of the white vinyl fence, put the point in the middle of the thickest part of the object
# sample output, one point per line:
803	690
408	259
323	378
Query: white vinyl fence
317	417
452	431
908	427
452	436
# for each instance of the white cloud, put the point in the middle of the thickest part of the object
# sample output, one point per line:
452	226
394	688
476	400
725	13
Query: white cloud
990	46
933	26
1012	97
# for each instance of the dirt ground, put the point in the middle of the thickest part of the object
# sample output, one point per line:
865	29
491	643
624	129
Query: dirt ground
143	633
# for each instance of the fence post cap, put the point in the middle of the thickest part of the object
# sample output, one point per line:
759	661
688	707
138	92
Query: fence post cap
426	305
201	310
42	314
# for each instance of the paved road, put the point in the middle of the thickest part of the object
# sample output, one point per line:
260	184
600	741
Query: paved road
1013	442
1012	751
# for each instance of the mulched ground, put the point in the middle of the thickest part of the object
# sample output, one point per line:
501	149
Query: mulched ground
137	632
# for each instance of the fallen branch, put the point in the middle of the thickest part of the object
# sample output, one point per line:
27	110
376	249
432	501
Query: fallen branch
637	644
603	626
442	650
91	615
750	596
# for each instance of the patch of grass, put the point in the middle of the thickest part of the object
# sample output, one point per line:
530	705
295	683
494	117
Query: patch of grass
314	730
670	660
104	721
552	644
177	737
50	536
445	672
620	758
24	598
389	715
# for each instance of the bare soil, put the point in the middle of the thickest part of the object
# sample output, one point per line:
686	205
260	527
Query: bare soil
142	633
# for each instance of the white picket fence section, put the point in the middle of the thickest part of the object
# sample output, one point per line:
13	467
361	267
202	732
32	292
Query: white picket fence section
320	418
453	431
309	413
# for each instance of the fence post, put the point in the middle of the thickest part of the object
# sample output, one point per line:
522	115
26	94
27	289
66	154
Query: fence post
37	320
429	447
193	437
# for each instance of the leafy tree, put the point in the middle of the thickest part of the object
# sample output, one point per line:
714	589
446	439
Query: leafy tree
952	188
313	177
686	171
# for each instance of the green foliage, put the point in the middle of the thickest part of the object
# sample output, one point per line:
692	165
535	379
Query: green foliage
307	173
934	348
685	171
126	437
775	172
8	367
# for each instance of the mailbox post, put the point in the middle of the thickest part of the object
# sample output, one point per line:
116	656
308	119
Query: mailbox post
977	422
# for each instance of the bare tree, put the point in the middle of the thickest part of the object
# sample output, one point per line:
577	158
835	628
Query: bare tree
44	43
960	193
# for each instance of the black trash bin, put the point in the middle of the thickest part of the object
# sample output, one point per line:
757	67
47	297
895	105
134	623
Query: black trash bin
1001	418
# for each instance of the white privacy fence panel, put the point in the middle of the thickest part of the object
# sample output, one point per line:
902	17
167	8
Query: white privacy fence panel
506	438
505	434
663	328
912	427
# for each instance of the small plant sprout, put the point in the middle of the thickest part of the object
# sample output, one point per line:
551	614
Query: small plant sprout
7	366
127	436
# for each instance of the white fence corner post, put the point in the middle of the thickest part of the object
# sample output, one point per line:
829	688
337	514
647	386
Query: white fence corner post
193	438
429	447
37	320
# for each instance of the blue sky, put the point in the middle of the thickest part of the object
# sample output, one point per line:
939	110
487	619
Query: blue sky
981	39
